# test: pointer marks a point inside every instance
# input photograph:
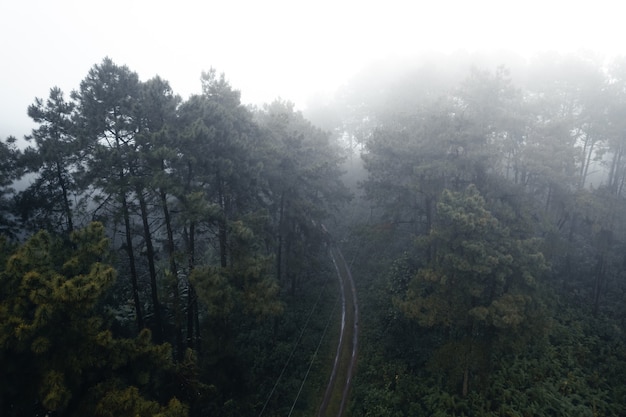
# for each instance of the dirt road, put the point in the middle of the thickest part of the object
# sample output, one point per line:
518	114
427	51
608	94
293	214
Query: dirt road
338	390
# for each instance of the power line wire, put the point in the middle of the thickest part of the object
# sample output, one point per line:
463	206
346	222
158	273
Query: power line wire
306	323
314	356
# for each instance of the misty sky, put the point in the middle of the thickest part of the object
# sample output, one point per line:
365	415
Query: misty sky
270	48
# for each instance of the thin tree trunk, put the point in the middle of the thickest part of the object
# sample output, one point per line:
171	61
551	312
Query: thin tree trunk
174	273
613	171
156	305
222	225
429	224
279	249
548	198
568	255
131	259
192	299
66	202
193	318
620	186
191	312
600	273
585	171
291	276
222	235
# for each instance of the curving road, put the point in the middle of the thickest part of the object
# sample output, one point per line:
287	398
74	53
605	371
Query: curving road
338	389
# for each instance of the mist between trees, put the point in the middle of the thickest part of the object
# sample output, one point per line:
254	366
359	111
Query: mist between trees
164	252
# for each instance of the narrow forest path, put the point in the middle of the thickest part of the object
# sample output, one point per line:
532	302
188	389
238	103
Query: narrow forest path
338	390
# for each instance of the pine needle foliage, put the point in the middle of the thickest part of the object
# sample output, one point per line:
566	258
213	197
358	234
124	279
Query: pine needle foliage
55	353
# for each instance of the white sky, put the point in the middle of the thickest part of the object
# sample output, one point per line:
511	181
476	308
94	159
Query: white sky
270	48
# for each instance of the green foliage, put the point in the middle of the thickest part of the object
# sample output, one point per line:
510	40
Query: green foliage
53	346
9	171
478	286
479	275
523	338
129	402
230	202
50	201
575	370
247	284
302	172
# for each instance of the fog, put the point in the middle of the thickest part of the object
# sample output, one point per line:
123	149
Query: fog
271	49
471	166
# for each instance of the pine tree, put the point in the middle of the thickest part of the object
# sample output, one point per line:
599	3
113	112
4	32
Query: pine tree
479	286
302	170
49	201
55	352
108	106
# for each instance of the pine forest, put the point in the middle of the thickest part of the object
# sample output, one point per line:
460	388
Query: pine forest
169	256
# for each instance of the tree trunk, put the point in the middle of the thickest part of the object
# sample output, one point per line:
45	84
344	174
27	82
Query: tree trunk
430	252
222	236
600	273
131	260
279	249
567	268
154	289
615	170
66	202
587	162
193	321
290	274
222	223
620	186
174	273
191	295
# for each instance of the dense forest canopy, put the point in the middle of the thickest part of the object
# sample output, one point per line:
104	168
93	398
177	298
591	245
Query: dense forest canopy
161	255
495	205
